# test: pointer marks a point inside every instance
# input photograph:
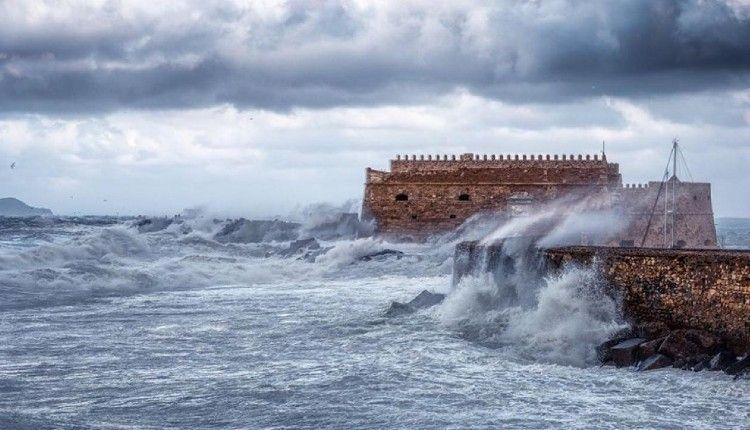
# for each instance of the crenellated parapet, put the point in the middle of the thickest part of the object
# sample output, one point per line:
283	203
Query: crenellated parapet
416	162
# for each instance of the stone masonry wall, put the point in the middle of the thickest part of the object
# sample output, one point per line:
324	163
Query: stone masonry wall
427	194
701	289
423	196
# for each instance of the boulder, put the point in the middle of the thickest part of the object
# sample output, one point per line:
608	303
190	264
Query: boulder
740	366
398	308
425	299
382	255
721	361
625	352
656	361
603	350
701	365
685	343
256	231
297	245
650	348
301	246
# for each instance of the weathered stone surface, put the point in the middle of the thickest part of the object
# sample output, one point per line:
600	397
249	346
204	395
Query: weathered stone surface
684	344
656	361
624	353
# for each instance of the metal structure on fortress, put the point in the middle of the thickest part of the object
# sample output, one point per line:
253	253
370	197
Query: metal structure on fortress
428	194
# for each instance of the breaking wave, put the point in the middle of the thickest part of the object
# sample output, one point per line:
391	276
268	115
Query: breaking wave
509	303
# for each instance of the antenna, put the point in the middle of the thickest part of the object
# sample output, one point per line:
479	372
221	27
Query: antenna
604	155
675	148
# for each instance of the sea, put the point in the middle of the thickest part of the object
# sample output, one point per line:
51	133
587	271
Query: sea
209	323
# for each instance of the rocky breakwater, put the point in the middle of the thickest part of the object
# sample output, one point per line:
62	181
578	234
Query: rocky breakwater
685	308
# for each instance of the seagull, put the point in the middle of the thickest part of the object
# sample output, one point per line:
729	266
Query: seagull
13	165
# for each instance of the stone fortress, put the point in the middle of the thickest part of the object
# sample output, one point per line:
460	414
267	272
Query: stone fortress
663	263
422	195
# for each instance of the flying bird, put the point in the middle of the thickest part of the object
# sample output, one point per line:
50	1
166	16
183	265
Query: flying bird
13	165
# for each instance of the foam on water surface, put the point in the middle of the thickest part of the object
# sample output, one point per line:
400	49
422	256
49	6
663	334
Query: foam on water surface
102	326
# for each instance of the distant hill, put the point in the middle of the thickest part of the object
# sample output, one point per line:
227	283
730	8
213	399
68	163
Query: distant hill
14	207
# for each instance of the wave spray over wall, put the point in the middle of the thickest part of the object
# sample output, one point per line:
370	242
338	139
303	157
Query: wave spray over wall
502	300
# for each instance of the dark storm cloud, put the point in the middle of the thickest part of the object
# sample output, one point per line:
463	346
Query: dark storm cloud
319	54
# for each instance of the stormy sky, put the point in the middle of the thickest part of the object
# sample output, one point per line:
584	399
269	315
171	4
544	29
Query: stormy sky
253	107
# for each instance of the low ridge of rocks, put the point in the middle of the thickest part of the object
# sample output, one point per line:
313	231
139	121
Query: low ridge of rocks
653	346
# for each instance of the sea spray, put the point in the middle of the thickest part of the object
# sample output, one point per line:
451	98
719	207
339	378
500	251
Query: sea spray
503	297
557	319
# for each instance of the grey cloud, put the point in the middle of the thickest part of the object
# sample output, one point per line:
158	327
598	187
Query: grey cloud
330	54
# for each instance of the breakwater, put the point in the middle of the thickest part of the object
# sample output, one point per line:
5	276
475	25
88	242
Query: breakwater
706	290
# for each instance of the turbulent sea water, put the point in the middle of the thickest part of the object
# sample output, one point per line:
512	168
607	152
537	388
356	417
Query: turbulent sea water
103	325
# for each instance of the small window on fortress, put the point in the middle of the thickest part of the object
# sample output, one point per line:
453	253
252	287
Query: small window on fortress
695	198
452	217
680	244
464	197
401	197
414	217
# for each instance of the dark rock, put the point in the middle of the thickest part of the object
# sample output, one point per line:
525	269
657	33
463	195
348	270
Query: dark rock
426	299
656	361
651	330
649	349
382	255
625	352
339	226
398	308
685	343
603	351
721	361
701	365
740	366
298	245
257	231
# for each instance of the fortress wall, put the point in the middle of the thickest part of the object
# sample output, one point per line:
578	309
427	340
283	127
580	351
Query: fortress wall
510	187
510	175
433	207
702	289
693	225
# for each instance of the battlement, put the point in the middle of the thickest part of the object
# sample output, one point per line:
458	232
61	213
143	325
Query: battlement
422	162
